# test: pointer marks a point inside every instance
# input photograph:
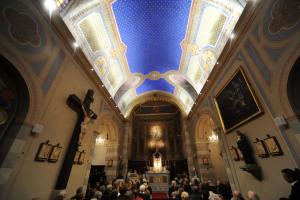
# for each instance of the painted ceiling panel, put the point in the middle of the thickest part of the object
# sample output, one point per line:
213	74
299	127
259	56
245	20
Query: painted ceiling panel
139	46
160	84
210	27
95	33
152	31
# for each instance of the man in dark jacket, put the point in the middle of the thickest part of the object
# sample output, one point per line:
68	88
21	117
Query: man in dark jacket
292	177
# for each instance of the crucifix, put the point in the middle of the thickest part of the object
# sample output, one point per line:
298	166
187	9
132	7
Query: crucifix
84	115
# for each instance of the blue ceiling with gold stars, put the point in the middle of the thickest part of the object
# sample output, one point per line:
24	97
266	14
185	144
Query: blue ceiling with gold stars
141	49
152	31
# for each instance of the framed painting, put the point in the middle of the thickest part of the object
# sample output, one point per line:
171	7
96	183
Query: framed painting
110	162
81	158
273	146
205	161
234	154
261	148
236	102
55	153
43	151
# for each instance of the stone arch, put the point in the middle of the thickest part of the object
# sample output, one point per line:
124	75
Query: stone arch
14	105
202	118
35	93
205	124
210	162
107	129
293	87
282	89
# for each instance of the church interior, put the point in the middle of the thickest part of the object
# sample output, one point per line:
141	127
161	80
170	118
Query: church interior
150	99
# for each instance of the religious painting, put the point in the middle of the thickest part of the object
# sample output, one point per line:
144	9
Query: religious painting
260	148
234	154
76	158
43	151
81	158
236	102
110	162
273	146
205	161
55	153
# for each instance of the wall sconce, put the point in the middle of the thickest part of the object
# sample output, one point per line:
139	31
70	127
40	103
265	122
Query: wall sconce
100	139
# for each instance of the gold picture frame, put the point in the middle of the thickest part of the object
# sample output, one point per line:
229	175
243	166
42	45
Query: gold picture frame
55	153
260	148
236	102
273	146
43	151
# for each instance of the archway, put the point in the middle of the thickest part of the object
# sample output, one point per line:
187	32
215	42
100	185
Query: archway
210	163
156	131
104	159
14	105
293	88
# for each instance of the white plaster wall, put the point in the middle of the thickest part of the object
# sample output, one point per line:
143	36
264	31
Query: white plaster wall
99	155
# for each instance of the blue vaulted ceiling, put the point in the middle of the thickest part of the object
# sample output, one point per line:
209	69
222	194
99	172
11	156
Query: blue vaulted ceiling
160	84
138	46
152	31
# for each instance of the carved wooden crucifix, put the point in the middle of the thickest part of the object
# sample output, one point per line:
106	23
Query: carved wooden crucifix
83	111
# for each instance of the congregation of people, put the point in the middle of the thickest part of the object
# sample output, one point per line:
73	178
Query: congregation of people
181	188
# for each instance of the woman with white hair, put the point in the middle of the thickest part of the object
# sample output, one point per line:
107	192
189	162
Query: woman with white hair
143	193
185	196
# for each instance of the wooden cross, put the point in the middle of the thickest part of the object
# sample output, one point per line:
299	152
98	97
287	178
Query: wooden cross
83	111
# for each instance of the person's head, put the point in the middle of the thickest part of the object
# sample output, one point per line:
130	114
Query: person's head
195	189
109	187
236	194
173	183
98	194
289	175
123	188
252	195
142	188
102	188
184	196
61	195
79	191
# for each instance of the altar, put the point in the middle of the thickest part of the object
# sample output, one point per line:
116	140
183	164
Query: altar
159	181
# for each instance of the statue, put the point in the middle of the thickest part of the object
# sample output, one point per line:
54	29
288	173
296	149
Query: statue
245	148
88	114
84	126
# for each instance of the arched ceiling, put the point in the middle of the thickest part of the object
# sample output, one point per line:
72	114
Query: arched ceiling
142	46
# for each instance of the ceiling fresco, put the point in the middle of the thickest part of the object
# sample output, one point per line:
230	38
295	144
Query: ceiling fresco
143	46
